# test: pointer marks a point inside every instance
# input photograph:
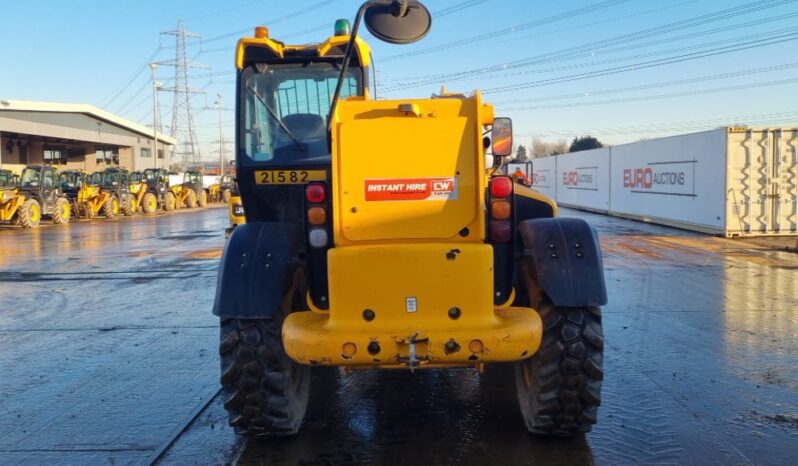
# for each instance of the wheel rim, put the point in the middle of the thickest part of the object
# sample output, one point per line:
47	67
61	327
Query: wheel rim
151	203
65	211
116	206
35	214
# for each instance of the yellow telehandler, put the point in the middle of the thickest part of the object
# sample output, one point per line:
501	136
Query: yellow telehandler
37	195
373	240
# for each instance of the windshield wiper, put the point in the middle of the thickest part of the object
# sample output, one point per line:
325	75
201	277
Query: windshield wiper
278	120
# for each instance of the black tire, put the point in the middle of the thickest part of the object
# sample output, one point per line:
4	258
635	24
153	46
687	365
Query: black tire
265	392
559	388
128	206
108	207
149	203
62	212
202	199
29	214
226	196
169	201
191	199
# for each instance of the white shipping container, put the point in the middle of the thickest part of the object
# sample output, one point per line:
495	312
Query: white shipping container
728	181
175	179
583	179
677	180
543	174
208	180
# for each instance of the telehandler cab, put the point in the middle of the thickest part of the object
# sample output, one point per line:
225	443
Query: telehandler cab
374	240
37	195
8	179
157	180
115	182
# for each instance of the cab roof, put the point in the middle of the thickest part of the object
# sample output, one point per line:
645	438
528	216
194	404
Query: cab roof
265	49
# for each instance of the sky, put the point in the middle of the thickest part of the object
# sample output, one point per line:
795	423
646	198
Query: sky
620	70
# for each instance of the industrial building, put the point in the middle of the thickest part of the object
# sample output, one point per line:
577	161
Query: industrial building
75	136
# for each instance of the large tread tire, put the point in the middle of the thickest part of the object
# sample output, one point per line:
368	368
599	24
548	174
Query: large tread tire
149	203
62	212
191	199
29	214
559	388
108	207
202	199
226	194
169	202
265	392
129	206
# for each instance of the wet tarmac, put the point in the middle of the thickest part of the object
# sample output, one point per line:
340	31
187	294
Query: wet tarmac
108	356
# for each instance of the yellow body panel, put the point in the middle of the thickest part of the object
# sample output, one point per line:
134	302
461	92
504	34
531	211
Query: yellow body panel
431	142
411	289
525	191
10	201
138	189
181	194
90	200
235	200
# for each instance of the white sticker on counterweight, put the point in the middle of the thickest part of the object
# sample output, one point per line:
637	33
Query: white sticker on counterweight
411	304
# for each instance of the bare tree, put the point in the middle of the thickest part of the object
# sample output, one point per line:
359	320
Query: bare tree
542	148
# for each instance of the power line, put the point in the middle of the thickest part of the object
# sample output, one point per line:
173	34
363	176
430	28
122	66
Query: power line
225	10
592	47
280	19
132	79
658	85
321	27
755	85
510	30
558	31
692	35
648	64
699	46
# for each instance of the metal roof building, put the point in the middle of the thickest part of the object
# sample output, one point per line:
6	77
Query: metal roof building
75	136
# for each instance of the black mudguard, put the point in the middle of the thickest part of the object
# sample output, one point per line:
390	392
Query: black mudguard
567	260
256	269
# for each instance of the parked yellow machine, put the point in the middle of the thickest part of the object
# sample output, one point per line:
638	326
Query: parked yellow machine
36	196
140	190
185	196
85	196
374	240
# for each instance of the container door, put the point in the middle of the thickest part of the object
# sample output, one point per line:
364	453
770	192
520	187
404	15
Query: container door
761	198
785	181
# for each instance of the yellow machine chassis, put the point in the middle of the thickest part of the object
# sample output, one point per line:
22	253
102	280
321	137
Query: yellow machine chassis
90	200
429	310
10	201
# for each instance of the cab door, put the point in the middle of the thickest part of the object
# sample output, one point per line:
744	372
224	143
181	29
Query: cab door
49	189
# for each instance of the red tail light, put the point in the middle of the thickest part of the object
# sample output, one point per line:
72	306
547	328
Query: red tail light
501	186
315	194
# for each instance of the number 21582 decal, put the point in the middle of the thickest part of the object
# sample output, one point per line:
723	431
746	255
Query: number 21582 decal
289	176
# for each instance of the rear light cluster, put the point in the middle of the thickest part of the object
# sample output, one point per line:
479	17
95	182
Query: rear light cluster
501	209
316	196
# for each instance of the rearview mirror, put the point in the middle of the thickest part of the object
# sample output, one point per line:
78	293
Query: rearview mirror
397	21
502	135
